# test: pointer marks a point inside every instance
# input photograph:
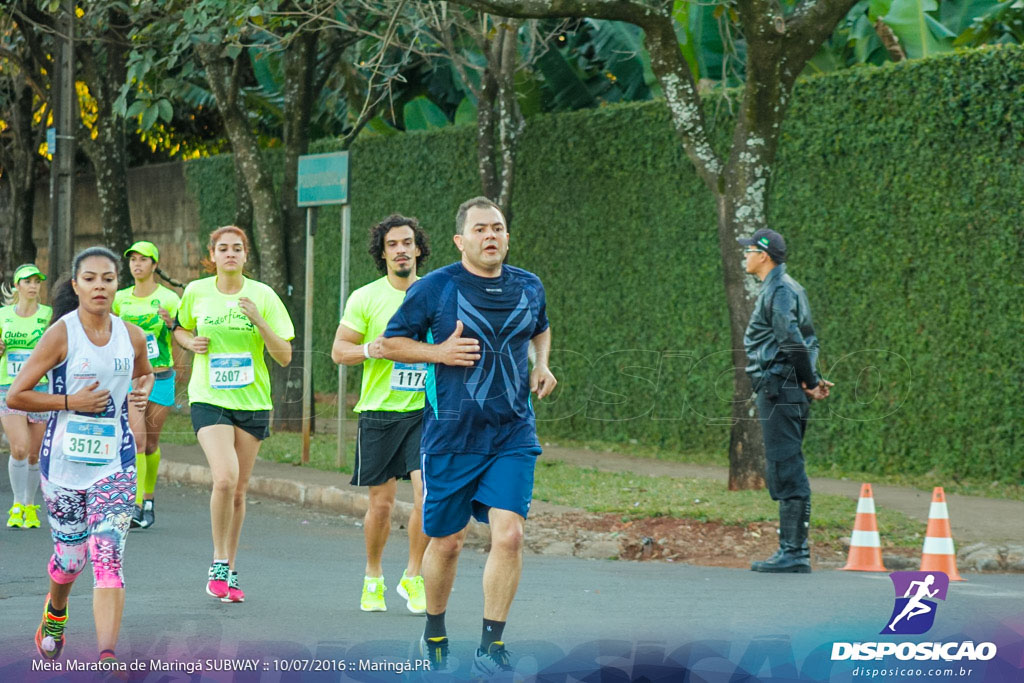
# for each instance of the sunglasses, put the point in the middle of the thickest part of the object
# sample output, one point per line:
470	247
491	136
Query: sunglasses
748	250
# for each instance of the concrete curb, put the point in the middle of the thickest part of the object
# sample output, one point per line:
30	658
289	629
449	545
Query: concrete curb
314	496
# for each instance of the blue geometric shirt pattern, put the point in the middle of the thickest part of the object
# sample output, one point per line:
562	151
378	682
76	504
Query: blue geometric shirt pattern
483	409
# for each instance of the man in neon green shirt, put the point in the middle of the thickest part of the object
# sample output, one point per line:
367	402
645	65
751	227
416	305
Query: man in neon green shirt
390	407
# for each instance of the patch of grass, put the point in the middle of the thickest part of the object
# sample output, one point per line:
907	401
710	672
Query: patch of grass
283	447
923	482
636	496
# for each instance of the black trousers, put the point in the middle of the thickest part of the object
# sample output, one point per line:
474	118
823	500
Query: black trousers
783	409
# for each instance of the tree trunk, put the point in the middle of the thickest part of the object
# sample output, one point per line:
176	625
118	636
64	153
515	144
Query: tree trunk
746	445
499	119
485	139
300	70
107	154
20	165
243	218
268	222
104	72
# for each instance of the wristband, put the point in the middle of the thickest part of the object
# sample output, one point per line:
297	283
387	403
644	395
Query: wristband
366	349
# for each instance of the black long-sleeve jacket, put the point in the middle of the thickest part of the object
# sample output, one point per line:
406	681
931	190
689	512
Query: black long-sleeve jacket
780	335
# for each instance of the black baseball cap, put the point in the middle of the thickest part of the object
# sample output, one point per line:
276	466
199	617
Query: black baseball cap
768	241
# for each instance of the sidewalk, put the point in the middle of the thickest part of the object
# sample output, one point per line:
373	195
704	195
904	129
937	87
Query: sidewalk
307	487
986	525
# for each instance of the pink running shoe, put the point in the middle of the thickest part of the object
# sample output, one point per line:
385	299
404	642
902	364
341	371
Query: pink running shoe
235	594
217	580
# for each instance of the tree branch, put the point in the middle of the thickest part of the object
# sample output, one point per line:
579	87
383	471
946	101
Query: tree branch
615	10
810	24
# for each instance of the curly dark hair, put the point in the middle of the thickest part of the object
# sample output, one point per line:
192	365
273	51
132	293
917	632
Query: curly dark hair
395	220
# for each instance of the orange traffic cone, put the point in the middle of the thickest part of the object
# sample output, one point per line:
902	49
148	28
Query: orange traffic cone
939	554
865	548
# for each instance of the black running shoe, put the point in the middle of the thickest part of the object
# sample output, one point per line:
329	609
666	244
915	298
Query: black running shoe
435	650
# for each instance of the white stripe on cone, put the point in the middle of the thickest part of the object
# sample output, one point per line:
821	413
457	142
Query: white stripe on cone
866	505
938	546
938	511
865	539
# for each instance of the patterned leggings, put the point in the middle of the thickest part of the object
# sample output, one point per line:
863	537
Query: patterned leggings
92	521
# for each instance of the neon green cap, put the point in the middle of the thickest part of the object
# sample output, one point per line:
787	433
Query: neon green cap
27	270
146	249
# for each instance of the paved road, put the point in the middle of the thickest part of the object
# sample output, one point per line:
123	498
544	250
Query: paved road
302	573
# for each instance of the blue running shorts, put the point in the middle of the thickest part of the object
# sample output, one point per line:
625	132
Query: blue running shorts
458	486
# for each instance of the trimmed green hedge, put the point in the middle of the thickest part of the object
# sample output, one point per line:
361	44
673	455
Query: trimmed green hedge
897	188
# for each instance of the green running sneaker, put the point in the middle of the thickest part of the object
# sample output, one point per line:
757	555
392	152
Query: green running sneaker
373	594
31	516
411	588
15	518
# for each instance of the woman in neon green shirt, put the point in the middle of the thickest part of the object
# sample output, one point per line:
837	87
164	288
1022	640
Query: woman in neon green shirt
152	307
227	321
22	322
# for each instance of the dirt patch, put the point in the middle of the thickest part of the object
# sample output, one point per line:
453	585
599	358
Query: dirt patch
669	539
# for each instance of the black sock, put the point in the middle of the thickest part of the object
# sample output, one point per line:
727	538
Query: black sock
104	654
491	633
54	611
435	626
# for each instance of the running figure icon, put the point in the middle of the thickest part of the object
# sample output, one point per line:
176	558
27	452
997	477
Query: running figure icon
915	607
913	590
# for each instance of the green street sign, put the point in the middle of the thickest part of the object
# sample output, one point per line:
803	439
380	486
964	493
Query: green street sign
323	179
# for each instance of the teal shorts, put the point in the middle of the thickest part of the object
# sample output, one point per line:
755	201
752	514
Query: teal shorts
163	389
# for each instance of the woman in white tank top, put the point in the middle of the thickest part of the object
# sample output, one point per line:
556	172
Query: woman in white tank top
87	461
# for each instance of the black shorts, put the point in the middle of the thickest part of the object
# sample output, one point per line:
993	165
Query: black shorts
255	422
387	446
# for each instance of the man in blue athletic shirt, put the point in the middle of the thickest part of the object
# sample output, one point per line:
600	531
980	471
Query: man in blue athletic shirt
473	322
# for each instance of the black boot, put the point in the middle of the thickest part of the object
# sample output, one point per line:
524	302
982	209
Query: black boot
794	554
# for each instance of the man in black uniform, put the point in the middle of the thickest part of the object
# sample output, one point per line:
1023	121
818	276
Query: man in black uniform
782	352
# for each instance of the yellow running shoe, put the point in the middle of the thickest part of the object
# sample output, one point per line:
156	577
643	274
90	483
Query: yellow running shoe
411	588
373	594
15	519
31	516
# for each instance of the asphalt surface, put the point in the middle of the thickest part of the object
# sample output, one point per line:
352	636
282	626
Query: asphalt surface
302	571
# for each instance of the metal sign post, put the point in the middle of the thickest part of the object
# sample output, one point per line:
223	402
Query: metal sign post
346	229
323	179
61	144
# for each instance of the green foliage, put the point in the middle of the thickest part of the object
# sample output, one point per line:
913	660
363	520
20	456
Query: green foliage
897	189
913	262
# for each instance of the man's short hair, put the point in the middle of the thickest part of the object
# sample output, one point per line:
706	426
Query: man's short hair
474	203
